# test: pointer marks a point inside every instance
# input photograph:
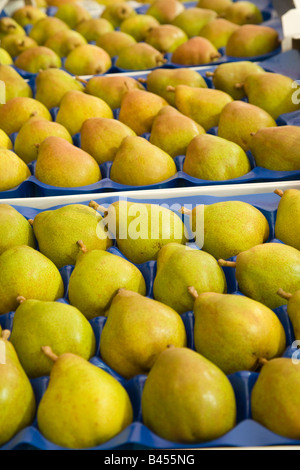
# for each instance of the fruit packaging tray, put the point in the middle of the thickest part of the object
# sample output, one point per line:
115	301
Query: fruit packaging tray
247	432
287	63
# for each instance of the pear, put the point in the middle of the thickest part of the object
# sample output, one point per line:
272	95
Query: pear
18	401
292	310
133	315
196	51
28	15
275	399
187	399
15	84
37	58
102	137
62	164
272	92
192	20
230	76
5	141
87	59
32	134
5	57
166	38
111	88
239	120
219	6
252	40
287	219
140	56
63	42
243	12
139	108
15	44
10	26
172	131
276	148
218	32
76	106
12	169
57	232
19	110
96	278
137	162
46	27
117	12
65	421
138	26
236	333
261	270
203	105
35	324
72	14
158	81
230	227
165	12
93	28
52	84
209	157
28	273
15	229
141	229
114	42
180	266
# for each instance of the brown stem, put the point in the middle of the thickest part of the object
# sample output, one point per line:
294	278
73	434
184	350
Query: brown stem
97	207
184	210
30	221
193	292
284	295
210	74
228	264
142	80
5	334
239	86
215	56
82	246
49	353
82	80
170	88
279	192
20	299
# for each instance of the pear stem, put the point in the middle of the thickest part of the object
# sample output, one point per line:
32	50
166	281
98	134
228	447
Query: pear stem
261	361
20	299
30	221
97	206
5	335
82	80
184	210
279	192
239	86
228	264
193	292
82	246
284	295
142	80
170	88
210	74
49	353
170	346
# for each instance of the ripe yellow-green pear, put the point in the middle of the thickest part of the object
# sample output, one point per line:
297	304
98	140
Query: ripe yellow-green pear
243	12
19	110
87	59
252	40
140	56
15	45
192	20
113	42
218	31
12	169
138	26
63	42
287	223
117	12
218	6
46	27
166	38
72	14
37	58
91	29
15	85
165	12
28	15
10	26
196	51
15	228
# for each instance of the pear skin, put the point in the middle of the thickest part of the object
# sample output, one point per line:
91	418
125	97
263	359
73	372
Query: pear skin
19	110
12	169
287	219
87	59
252	40
140	56
196	51
15	229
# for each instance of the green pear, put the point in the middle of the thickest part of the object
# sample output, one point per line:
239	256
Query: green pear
37	58
52	84
5	57
18	401
140	56
114	42
12	169
102	137
292	310
87	59
131	316
141	229
63	42
117	12
72	14
76	107
287	218
218	32
252	40
230	77
111	88
139	108
15	84
166	38
96	278
276	148
36	323
158	81
209	157
15	44
138	26
263	269
180	266
137	162
196	51
46	27
93	28
165	12
5	141
236	333
62	164
15	229
187	399
28	15
203	105
19	110
239	120
192	20
219	6
10	26
243	12
58	231
172	131
65	421
28	273
275	399
32	134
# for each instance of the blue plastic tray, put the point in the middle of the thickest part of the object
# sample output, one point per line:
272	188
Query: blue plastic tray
247	432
